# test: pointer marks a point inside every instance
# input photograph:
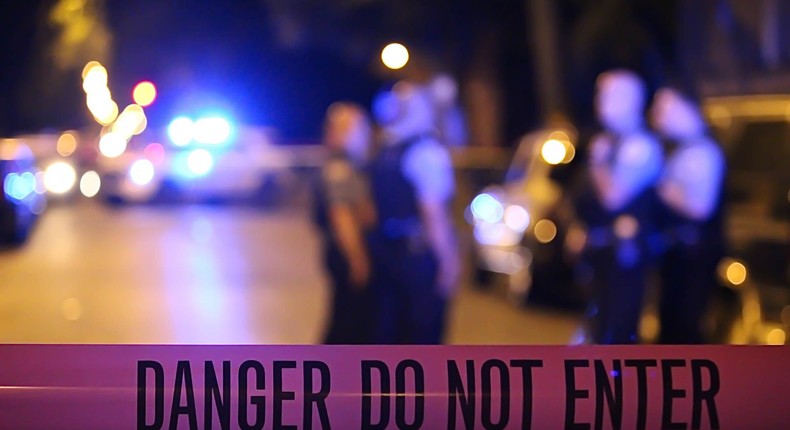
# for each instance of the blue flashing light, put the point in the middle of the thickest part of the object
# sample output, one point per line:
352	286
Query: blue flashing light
9	183
26	185
212	130
180	165
19	186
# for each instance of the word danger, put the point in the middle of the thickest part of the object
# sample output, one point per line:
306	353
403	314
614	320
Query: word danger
575	394
250	408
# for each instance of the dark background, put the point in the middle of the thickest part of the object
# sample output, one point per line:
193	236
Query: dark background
282	62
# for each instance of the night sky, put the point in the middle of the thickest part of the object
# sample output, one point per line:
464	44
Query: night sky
203	54
200	54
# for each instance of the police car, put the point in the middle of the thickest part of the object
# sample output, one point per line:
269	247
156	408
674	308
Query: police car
194	159
23	193
62	160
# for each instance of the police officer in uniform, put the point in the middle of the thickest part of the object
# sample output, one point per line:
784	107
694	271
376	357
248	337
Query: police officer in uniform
344	215
624	162
690	190
416	263
450	120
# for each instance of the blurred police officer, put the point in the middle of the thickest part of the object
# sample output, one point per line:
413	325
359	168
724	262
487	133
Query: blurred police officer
691	192
416	263
450	121
345	214
624	162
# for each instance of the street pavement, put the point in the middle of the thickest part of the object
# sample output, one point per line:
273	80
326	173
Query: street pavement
203	275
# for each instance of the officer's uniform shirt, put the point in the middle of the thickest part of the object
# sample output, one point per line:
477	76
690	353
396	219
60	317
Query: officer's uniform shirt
404	175
634	164
691	192
692	180
342	183
620	216
452	127
428	167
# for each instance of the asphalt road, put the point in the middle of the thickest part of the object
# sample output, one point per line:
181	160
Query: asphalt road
202	274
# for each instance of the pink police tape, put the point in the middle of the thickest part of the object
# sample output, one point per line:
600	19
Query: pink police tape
376	387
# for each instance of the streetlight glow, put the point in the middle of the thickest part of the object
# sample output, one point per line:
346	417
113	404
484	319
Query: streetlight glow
395	56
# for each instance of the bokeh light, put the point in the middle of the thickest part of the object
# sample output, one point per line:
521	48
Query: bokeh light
626	227
516	217
545	231
154	152
570	152
213	130
59	177
181	131
200	162
67	144
103	108
108	115
553	151
112	144
736	273
88	67
141	172
90	184
131	122
144	93
95	79
40	188
98	96
395	56
487	208
576	238
559	135
490	234
18	187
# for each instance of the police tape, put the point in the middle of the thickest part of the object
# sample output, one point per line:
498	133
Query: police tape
405	387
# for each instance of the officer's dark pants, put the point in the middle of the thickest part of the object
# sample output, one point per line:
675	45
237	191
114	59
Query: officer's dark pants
617	294
409	309
688	278
350	312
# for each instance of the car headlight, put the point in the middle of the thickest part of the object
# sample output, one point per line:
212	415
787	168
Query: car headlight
487	208
90	184
60	177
